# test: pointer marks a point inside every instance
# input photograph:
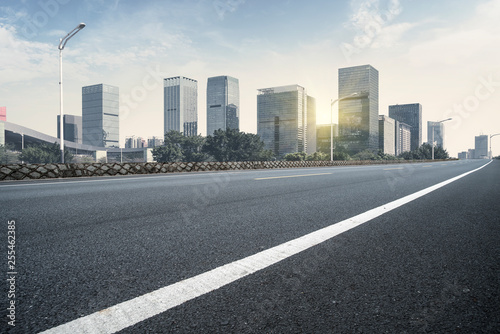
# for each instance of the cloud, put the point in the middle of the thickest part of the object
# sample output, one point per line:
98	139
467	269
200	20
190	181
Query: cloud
23	60
476	38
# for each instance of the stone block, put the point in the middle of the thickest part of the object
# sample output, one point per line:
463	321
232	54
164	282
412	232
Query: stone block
5	170
35	175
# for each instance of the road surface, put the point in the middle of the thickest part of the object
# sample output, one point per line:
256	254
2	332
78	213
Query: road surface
239	252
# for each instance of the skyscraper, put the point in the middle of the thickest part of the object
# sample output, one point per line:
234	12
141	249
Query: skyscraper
358	115
3	114
481	147
311	125
438	129
282	119
410	114
72	128
180	103
223	103
387	134
403	138
100	115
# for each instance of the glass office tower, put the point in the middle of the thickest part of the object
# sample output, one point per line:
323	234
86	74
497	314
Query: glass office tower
100	115
180	103
438	129
410	114
72	128
282	119
223	104
358	115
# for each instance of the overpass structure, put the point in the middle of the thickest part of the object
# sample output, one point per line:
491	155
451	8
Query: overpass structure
20	137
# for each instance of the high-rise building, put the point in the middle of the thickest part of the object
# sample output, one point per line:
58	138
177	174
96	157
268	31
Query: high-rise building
410	114
438	129
155	141
471	153
282	119
358	115
180	103
100	115
311	125
72	128
223	103
3	114
324	137
481	147
387	134
403	137
462	155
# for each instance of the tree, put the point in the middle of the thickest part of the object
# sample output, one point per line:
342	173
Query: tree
177	147
234	145
318	156
171	150
425	152
7	156
44	153
298	156
192	148
365	155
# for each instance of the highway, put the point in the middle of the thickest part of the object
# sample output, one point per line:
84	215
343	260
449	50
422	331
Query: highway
411	248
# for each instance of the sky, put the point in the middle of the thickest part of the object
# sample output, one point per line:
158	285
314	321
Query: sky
442	54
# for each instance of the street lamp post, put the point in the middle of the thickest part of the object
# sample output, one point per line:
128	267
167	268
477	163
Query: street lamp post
491	136
331	120
62	44
433	130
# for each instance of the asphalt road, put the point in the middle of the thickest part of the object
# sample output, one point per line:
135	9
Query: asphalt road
430	266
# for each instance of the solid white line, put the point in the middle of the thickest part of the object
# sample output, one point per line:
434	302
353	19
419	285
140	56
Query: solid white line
130	312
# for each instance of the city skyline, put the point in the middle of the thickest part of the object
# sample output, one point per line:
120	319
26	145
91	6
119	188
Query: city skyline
418	50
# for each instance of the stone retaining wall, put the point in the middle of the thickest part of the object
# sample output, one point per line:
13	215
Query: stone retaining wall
44	171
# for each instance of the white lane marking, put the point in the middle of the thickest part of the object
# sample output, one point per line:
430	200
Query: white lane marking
135	310
286	176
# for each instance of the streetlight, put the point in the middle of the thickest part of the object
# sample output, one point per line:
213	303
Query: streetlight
331	120
62	44
433	130
491	136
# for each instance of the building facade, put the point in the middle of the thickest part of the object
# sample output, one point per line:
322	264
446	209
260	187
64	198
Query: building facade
481	147
403	138
3	114
72	128
311	125
100	115
358	115
462	155
387	134
180	105
437	129
282	119
324	135
223	104
410	114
